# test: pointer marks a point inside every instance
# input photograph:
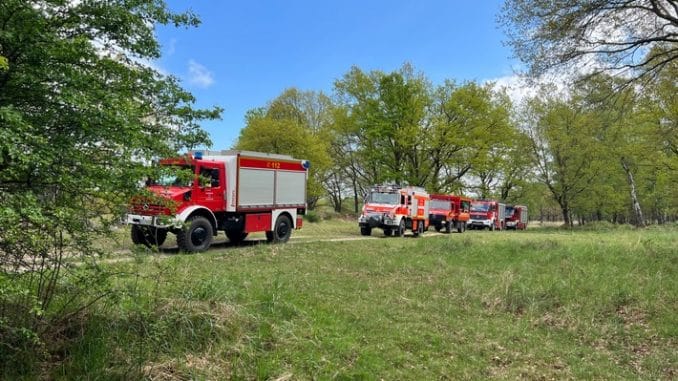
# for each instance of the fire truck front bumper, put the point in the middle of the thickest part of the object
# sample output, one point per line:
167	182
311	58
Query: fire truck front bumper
377	221
511	224
479	223
155	221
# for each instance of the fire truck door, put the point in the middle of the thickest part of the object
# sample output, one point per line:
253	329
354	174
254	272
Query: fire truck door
211	190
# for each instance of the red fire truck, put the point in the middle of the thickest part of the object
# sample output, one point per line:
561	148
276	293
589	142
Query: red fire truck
395	209
516	217
238	192
487	214
449	212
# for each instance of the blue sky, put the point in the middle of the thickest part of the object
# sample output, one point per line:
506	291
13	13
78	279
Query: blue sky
245	53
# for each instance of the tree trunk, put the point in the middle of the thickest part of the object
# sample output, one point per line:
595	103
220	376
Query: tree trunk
566	214
356	204
637	211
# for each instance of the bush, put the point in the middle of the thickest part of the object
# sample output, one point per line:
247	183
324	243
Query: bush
311	216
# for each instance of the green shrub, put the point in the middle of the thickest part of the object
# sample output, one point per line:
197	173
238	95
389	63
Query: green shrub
312	216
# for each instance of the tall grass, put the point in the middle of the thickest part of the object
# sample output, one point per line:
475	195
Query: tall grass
540	304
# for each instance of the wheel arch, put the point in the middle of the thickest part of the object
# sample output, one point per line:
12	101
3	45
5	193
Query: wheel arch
201	211
290	213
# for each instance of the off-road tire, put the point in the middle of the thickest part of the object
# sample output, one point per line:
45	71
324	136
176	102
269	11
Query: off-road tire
281	231
148	236
365	230
400	231
388	232
196	236
438	228
448	227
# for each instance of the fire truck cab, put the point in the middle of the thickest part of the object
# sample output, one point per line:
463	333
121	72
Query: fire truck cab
395	209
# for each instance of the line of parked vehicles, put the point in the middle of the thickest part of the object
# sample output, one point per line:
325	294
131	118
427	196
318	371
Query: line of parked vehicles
243	192
396	209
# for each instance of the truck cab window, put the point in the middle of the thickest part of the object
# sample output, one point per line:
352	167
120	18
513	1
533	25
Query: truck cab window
209	177
215	178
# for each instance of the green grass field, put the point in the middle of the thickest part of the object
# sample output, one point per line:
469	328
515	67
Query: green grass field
540	304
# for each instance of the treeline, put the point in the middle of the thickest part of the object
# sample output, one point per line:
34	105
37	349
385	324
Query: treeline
600	150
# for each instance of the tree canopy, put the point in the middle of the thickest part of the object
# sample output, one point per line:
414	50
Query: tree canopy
634	38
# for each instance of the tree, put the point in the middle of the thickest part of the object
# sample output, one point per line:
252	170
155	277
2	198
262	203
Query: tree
293	124
600	35
389	113
471	132
79	117
564	144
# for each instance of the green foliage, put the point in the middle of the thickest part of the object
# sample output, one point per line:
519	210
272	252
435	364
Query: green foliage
293	124
386	112
311	216
397	127
79	117
471	134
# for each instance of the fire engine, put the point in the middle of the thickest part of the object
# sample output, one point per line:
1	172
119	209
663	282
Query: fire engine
449	212
395	209
487	215
516	217
238	192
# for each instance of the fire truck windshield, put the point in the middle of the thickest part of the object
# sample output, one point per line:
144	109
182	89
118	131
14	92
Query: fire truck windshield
384	198
174	176
440	204
480	207
509	211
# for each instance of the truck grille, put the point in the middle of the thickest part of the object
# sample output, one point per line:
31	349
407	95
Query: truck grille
146	207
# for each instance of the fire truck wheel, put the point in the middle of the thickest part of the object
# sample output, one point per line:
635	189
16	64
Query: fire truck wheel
420	229
282	230
388	232
366	230
148	236
460	227
448	227
197	236
236	236
401	229
438	228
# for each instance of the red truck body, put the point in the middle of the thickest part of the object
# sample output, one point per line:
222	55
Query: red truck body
449	212
516	217
238	192
487	214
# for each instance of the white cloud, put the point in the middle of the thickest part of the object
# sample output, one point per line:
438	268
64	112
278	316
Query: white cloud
199	75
